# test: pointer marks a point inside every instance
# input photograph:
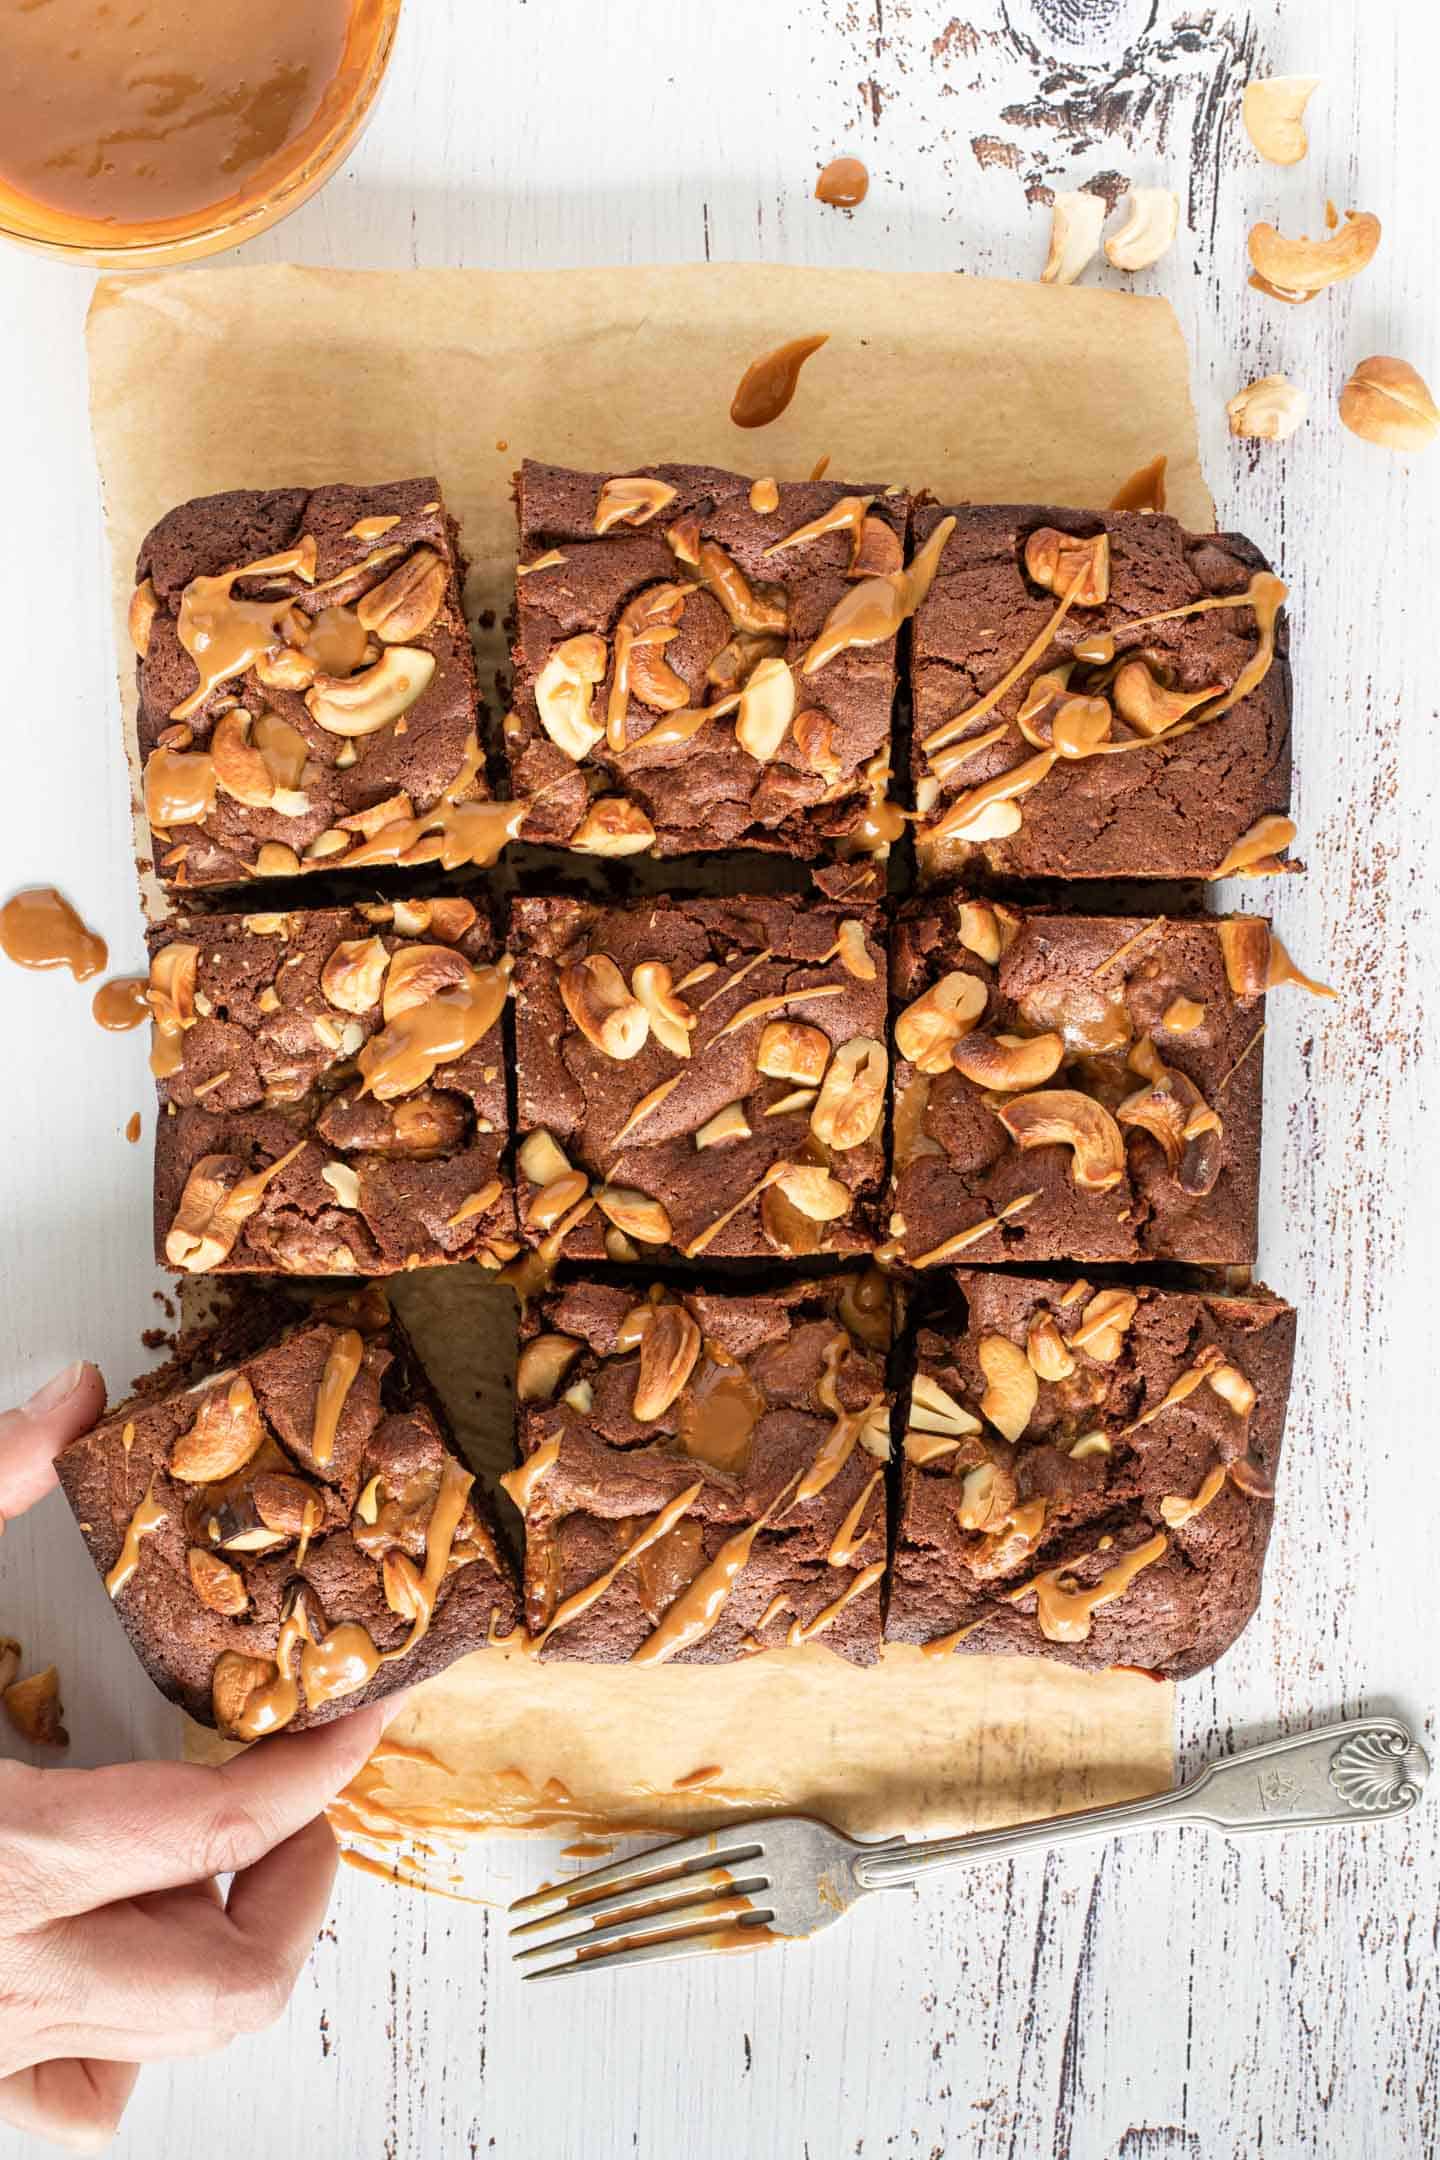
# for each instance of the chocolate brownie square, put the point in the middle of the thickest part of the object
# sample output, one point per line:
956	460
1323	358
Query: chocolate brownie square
293	1535
704	661
332	1090
1098	694
1088	1474
702	1078
703	1475
1075	1087
306	680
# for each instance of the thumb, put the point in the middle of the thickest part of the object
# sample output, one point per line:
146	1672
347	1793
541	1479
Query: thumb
31	1438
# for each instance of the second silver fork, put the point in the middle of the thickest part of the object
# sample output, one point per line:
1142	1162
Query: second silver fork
784	1877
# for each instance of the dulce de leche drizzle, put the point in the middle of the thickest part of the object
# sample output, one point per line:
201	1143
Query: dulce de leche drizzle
343	1363
132	116
40	929
520	1483
843	183
225	636
718	1415
179	788
698	1607
874	609
121	1004
145	1521
1065	1610
403	1055
768	384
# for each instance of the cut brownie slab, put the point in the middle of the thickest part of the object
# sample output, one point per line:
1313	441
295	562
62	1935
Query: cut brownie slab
704	661
294	1535
1088	1474
306	680
332	1090
1076	1087
703	1475
1098	694
701	1077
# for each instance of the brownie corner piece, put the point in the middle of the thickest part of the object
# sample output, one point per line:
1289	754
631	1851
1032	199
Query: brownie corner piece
699	1079
703	1470
690	673
305	680
1098	695
312	1120
294	1535
1075	1087
1088	1474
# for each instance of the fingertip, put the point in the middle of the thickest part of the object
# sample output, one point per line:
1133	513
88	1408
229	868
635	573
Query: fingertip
30	1438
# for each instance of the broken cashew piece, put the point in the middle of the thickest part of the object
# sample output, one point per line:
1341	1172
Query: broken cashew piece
1295	270
1273	110
1386	402
1076	221
1151	223
1267	410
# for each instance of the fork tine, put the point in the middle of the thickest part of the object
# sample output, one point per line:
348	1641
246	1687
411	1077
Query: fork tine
660	1861
632	1897
751	1933
641	1923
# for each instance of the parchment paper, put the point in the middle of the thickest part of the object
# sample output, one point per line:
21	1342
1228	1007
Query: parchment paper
209	379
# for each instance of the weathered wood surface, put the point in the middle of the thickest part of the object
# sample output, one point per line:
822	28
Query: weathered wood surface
1170	2000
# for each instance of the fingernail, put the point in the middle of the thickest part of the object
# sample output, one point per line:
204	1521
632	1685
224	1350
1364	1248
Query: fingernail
56	1391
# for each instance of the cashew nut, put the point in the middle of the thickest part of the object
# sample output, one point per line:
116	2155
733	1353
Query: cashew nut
1273	111
1148	231
1076	219
362	704
1386	402
1268	410
1063	1117
1296	270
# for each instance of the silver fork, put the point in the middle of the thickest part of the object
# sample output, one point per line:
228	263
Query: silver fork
785	1876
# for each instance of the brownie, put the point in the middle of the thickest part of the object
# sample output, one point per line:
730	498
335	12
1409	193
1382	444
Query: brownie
1088	1474
286	1520
703	1475
332	1090
1160	775
305	678
704	1078
1075	1087
647	600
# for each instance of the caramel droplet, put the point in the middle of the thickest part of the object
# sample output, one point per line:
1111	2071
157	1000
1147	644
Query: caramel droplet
1144	490
843	184
132	1127
40	929
121	1004
768	384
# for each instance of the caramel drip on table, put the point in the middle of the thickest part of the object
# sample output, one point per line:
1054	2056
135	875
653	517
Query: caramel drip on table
179	787
403	1056
1177	1510
224	636
520	1483
132	1126
1282	969
1065	1614
147	1519
40	929
1144	490
874	609
347	1353
718	1416
843	183
768	384
803	1631
849	1538
698	1607
121	1003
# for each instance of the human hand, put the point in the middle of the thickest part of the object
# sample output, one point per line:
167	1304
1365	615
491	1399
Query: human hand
117	1945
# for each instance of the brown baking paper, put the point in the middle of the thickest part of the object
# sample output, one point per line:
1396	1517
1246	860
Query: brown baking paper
210	379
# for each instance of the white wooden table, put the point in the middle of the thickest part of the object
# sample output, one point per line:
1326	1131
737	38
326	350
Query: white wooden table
1165	2000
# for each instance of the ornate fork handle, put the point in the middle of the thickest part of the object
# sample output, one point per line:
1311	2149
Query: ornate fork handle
1363	1770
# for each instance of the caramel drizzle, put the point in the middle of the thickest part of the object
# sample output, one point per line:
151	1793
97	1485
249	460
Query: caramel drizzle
846	515
404	1055
451	834
1189	1380
804	1631
1176	1509
732	982
520	1483
479	1203
346	1658
698	1607
347	1353
580	1601
849	1538
371	528
1065	1615
962	1238
839	1443
146	1520
940	1645
778	1604
761	1008
225	636
646	1104
873	610
179	788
